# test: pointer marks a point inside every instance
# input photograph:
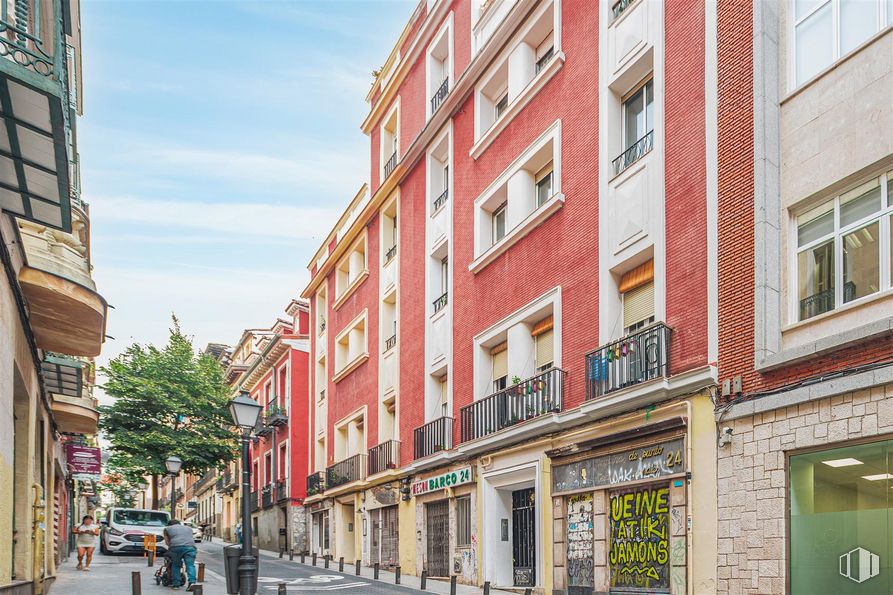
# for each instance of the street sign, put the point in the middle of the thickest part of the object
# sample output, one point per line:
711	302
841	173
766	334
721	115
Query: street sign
450	479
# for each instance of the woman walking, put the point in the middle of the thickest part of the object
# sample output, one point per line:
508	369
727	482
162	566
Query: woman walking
86	541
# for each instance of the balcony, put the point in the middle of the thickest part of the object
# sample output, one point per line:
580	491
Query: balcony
390	254
433	437
439	95
205	480
540	395
316	483
441	200
343	472
252	501
638	150
390	164
637	358
441	302
282	490
228	482
274	414
266	495
390	342
73	409
384	457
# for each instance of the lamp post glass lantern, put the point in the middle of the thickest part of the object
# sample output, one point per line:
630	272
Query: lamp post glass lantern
173	465
246	413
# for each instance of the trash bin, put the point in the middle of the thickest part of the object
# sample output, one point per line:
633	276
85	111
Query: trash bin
231	554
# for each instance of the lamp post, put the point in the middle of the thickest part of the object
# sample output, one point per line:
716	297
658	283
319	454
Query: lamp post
246	412
173	464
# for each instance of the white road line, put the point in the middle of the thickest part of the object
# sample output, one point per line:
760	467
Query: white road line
317	588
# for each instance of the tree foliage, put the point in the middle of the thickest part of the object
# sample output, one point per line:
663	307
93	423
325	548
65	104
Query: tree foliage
168	401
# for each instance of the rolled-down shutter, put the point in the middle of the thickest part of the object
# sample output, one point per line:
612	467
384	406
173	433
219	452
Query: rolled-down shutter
638	304
545	348
501	364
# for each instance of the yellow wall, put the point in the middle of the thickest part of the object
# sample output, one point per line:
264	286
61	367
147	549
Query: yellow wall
406	515
703	509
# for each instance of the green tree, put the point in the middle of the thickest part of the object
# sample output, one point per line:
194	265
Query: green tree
168	401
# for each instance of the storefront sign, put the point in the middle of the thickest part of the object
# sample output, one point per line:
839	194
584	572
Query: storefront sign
639	554
450	479
84	462
384	495
649	462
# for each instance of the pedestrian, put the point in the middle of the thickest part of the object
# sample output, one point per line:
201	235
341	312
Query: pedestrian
181	545
86	541
239	531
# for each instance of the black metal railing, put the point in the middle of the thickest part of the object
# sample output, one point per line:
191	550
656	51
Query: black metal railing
823	301
390	342
316	483
383	456
440	94
252	501
433	437
544	59
204	480
390	164
322	325
274	415
639	357
266	495
441	302
441	200
536	396
281	490
350	469
638	150
618	7
390	254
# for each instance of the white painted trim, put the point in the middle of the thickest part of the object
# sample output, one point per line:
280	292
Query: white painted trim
382	156
445	29
711	94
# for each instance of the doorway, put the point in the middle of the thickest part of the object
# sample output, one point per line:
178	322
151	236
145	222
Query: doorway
385	536
437	517
524	537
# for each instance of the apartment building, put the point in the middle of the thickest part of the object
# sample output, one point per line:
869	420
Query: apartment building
515	322
52	320
805	191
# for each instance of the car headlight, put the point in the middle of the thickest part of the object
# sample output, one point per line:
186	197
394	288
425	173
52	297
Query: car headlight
114	531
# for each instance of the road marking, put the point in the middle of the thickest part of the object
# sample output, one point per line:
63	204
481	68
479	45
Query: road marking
317	588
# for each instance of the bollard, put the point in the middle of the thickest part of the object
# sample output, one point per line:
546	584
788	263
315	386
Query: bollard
135	587
528	591
341	564
281	551
397	574
326	559
200	575
283	589
197	589
487	588
313	559
151	559
424	580
453	584
303	557
375	574
291	555
358	568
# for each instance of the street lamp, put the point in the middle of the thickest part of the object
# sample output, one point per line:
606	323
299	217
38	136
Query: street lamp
246	413
173	464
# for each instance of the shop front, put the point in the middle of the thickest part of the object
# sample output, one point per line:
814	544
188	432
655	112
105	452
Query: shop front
381	529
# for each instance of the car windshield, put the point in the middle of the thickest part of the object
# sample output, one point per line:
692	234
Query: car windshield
140	518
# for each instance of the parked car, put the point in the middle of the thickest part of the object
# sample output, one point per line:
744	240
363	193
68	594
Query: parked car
197	532
123	530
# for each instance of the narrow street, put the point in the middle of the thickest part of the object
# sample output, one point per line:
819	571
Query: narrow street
111	575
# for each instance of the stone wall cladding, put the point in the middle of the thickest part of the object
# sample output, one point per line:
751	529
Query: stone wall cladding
752	473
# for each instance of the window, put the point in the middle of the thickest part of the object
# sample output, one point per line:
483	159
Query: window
282	461
499	222
825	30
544	53
390	136
500	106
440	65
544	348
638	115
841	521
499	354
444	275
463	521
444	396
544	185
351	269
843	245
350	346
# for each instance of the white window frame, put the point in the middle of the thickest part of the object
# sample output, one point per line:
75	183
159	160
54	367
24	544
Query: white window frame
349	366
882	215
384	156
445	30
882	20
351	286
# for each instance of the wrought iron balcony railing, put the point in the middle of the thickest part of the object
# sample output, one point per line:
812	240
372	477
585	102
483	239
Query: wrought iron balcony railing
636	358
390	342
275	415
441	200
282	490
383	457
638	150
343	472
390	254
544	59
536	396
252	501
316	483
24	42
439	95
618	7
266	495
433	437
823	301
390	164
441	302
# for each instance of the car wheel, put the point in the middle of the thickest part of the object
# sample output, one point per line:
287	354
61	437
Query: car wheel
104	550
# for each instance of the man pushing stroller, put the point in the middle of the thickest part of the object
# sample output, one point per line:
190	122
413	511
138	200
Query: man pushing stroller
181	549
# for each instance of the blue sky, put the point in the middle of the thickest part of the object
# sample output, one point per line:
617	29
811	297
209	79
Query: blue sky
220	142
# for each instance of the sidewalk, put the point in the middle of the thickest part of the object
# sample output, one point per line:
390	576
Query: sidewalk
112	575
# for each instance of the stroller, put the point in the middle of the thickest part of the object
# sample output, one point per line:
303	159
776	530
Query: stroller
165	574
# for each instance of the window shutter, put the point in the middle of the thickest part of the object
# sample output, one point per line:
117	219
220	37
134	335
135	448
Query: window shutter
638	304
545	348
443	390
500	364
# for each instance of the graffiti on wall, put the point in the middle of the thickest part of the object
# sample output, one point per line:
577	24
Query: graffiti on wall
579	541
639	553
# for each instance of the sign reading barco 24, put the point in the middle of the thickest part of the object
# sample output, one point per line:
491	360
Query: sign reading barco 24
449	479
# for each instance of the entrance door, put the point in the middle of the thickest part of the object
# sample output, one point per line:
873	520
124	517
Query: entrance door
524	537
438	529
384	536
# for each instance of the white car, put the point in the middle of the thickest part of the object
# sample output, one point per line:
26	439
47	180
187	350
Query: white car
197	532
123	530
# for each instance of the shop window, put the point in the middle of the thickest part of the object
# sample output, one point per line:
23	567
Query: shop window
843	245
463	521
637	289
499	355
840	520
